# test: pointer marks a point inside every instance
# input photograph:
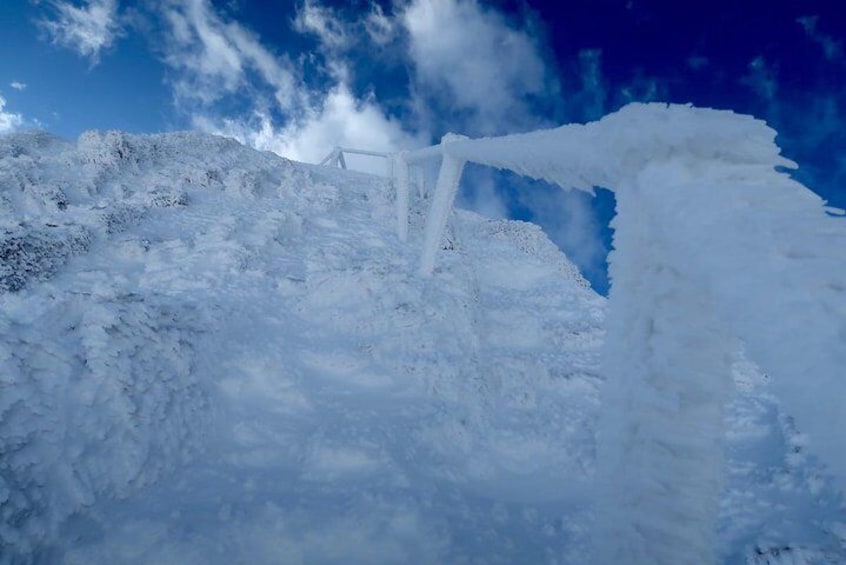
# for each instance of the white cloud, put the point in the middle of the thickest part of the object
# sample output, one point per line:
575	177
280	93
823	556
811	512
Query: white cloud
87	29
336	35
9	121
340	120
468	57
17	85
343	120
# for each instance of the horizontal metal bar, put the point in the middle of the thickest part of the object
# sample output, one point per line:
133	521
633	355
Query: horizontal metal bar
363	152
425	154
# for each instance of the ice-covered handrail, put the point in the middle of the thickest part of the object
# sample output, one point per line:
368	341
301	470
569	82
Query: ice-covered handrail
712	243
336	157
603	153
398	170
606	152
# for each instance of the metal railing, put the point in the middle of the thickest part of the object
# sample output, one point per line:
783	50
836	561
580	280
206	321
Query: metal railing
408	165
336	157
686	286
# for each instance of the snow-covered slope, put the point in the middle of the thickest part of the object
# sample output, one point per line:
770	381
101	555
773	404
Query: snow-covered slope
214	355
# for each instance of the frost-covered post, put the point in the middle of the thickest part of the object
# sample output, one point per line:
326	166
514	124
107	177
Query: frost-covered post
445	189
400	166
667	366
712	244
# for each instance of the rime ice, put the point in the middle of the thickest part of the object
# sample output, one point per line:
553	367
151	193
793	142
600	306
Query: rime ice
213	355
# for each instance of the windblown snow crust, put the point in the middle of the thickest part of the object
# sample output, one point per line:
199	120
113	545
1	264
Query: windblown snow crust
214	355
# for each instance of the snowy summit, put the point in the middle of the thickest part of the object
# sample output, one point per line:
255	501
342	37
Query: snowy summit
210	354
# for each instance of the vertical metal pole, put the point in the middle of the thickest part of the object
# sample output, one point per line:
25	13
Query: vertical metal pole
447	186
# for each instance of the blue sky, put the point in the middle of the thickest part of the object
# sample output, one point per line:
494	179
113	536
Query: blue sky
299	77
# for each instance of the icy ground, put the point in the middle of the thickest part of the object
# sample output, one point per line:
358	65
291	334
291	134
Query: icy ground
214	355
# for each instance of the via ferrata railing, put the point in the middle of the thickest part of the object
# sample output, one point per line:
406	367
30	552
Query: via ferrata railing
399	170
714	245
336	157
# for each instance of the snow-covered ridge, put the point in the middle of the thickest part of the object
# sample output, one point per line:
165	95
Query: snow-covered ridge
151	280
57	195
100	388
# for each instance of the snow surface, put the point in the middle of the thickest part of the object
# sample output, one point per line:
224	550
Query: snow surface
214	355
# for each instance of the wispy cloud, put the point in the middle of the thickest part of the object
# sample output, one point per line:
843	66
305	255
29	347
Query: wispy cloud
380	28
338	33
213	57
592	99
832	48
314	18
17	85
88	28
9	121
761	78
